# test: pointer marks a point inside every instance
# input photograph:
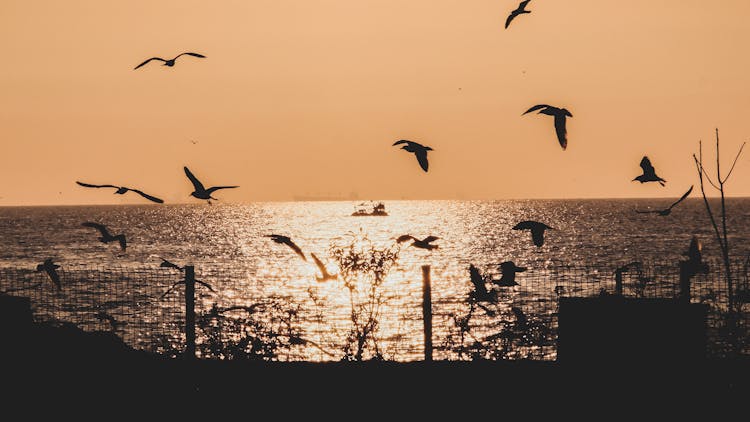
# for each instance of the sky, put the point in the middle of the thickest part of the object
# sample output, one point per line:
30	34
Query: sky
306	97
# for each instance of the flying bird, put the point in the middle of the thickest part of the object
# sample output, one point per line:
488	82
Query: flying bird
106	235
419	150
285	240
480	292
325	276
508	277
167	264
121	190
559	114
520	10
200	191
51	269
170	62
666	211
537	230
424	243
649	174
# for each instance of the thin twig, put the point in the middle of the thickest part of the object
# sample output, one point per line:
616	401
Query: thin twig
735	161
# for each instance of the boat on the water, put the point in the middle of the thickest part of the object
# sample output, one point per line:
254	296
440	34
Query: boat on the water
368	209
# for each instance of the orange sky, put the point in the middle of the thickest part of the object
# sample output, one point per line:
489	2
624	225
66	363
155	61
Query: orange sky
306	97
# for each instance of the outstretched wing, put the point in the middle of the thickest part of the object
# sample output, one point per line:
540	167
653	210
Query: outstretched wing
102	229
685	195
646	166
88	185
167	264
152	58
525	225
54	276
536	107
512	15
190	54
123	243
196	183
422	159
561	130
476	279
319	263
404	238
401	141
295	248
149	197
429	239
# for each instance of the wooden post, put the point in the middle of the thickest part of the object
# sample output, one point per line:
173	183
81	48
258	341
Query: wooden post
189	312
686	272
618	282
427	312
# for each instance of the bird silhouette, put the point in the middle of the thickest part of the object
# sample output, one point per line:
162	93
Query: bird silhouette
114	324
666	211
424	243
51	269
649	174
419	150
508	271
537	230
480	292
106	235
167	264
285	240
325	276
170	62
200	191
559	114
520	10
121	190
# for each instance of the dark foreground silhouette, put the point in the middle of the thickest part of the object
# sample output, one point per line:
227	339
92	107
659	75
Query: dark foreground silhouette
170	62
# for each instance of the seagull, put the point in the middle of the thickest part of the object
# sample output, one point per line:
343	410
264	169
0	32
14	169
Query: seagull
424	243
122	190
559	114
170	62
167	264
419	150
51	269
285	240
200	191
106	235
537	230
509	270
649	174
520	10
480	292
666	211
323	271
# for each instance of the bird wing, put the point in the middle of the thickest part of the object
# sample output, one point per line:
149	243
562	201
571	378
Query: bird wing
646	165
123	243
196	183
560	130
54	276
537	235
536	107
319	263
88	185
422	158
102	229
152	58
522	5
512	15
525	225
294	247
215	188
429	239
684	195
190	54
147	196
167	264
404	238
401	141
476	279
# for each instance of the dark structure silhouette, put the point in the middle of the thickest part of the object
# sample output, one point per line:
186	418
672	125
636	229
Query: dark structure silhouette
424	243
106	235
508	271
649	174
520	10
114	324
50	268
285	240
667	211
560	115
121	190
170	62
200	191
325	275
480	292
694	254
419	150
167	264
537	230
522	322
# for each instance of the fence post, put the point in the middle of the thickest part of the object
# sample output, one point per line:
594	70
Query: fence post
189	312
427	312
618	282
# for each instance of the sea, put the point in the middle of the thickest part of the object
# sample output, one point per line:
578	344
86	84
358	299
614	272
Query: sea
229	247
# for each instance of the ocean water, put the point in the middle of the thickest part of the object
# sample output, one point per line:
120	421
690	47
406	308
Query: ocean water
227	245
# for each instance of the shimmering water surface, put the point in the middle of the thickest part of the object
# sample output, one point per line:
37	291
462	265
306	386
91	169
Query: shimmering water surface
228	247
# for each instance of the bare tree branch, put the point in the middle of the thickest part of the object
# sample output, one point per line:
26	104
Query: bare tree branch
735	161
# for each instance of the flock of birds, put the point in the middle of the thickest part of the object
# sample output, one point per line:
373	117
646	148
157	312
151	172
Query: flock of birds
508	269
